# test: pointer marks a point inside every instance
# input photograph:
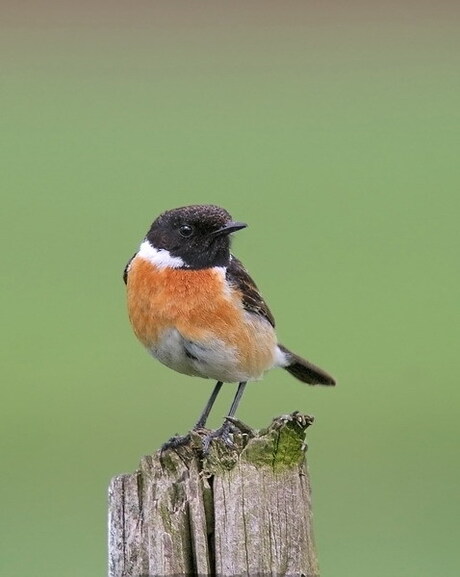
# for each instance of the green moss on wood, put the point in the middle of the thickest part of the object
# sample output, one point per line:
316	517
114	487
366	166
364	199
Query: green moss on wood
278	448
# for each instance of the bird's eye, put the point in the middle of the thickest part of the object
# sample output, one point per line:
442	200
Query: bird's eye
186	230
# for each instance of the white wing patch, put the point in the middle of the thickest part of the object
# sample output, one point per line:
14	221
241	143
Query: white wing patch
281	359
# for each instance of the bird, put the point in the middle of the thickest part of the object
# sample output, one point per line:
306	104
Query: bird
195	308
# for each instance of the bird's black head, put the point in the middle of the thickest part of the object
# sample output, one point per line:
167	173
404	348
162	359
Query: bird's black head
198	234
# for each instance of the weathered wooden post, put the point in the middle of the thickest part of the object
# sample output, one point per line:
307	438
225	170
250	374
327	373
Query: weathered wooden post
242	510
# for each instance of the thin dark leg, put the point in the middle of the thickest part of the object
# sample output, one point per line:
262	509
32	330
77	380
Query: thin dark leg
224	431
205	414
237	399
179	440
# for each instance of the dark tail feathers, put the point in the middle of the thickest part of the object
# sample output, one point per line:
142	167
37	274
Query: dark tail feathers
304	370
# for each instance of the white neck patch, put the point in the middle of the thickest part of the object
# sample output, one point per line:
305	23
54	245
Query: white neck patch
159	257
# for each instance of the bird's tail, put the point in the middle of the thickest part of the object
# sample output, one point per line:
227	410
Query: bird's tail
304	370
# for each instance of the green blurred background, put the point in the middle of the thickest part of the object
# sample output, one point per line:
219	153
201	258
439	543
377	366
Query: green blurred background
333	131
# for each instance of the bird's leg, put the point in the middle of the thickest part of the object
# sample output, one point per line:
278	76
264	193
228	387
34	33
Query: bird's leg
179	440
205	414
224	431
237	399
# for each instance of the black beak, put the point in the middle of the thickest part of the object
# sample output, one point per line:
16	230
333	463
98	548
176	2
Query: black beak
229	228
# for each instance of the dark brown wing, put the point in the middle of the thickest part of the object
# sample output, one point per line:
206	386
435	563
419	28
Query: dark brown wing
238	277
125	272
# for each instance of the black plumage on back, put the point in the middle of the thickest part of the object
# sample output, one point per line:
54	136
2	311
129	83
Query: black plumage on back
238	277
298	367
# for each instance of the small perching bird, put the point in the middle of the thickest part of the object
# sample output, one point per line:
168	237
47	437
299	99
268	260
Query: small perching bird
195	308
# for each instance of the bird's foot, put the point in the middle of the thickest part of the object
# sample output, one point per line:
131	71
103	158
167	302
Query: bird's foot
241	427
224	434
176	441
232	433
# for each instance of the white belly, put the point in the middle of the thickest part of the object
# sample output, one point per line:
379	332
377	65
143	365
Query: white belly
212	359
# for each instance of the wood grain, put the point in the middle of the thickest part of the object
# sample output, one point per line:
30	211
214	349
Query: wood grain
242	510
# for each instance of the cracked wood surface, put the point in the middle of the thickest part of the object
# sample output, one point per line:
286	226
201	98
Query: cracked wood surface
242	510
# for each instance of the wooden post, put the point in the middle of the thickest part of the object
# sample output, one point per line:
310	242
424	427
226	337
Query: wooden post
242	510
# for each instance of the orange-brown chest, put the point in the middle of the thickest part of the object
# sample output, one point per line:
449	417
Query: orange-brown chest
195	302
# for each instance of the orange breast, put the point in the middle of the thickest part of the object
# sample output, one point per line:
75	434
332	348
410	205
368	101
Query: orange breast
200	306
